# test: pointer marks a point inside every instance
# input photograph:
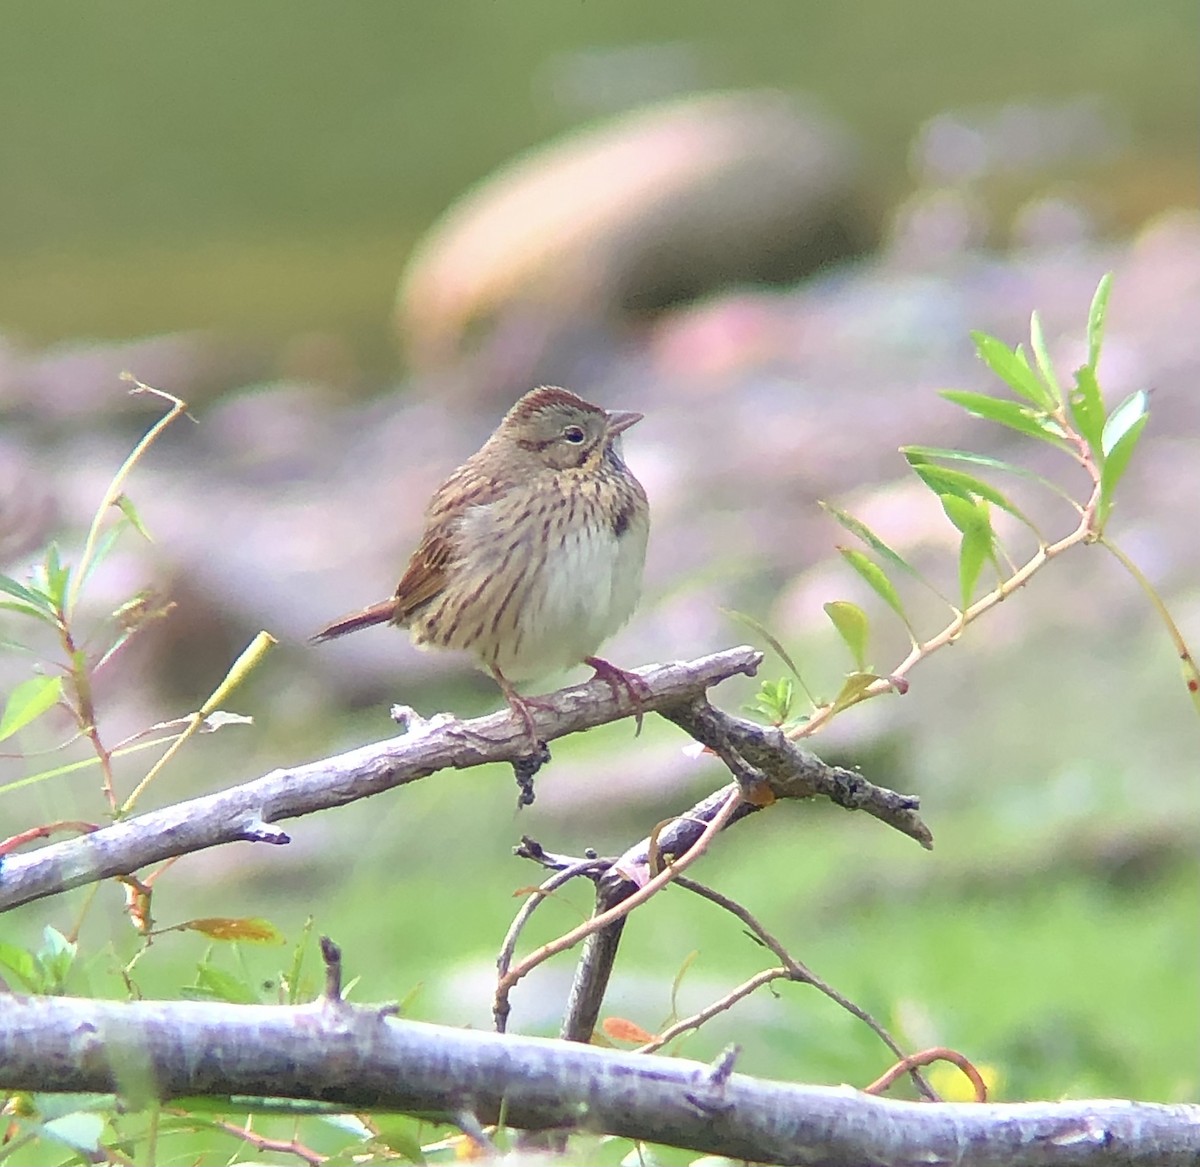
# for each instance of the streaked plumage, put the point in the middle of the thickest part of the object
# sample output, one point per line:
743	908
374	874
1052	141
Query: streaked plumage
533	548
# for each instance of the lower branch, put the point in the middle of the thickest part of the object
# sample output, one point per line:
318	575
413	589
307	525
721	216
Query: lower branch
362	1059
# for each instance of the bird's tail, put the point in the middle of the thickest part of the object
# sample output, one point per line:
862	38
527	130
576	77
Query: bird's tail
382	613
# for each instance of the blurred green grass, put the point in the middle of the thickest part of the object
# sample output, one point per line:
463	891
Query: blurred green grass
265	168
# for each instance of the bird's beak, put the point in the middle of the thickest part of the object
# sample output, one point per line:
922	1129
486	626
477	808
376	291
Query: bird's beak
620	420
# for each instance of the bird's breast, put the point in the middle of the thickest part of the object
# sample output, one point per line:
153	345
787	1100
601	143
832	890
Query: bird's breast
564	572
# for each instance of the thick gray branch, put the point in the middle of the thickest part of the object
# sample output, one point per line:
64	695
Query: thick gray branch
246	812
767	755
361	1058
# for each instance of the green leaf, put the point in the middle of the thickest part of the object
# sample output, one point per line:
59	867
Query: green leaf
215	984
943	480
1115	466
1012	414
965	513
925	453
859	528
26	610
1087	410
852	690
20	963
774	699
104	545
876	578
135	520
761	629
976	549
1042	355
853	627
1122	419
1012	367
1096	318
116	646
27	702
973	459
292	977
55	958
978	540
401	1134
57	576
26	595
80	1131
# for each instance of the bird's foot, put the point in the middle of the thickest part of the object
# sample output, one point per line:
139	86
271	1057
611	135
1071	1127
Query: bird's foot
528	764
620	681
538	754
524	768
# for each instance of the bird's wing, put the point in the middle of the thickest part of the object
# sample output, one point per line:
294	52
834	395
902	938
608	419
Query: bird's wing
426	573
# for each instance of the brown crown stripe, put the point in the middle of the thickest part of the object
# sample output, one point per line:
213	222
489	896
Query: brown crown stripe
548	395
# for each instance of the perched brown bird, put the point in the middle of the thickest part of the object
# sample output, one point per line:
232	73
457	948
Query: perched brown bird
533	549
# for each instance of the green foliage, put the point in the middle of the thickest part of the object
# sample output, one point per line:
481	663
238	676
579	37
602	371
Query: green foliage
27	702
774	700
1025	420
877	580
853	627
1122	429
43	971
1099	440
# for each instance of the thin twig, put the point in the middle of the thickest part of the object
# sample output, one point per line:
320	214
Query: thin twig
532	902
926	1057
734	908
44	832
468	1122
570	939
719	1006
262	1142
331	954
796	971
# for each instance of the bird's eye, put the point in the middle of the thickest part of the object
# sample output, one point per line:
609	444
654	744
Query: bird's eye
573	434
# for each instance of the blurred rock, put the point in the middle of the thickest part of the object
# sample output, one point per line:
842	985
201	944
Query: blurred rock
279	511
28	512
80	380
1034	137
623	220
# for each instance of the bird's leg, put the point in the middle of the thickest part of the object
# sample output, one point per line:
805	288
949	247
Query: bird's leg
523	708
621	681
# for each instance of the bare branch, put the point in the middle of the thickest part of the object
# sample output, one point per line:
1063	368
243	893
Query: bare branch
620	910
796	971
246	812
360	1058
262	1143
768	767
531	904
789	771
721	1005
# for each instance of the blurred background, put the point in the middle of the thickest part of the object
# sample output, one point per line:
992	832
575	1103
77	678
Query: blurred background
349	237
